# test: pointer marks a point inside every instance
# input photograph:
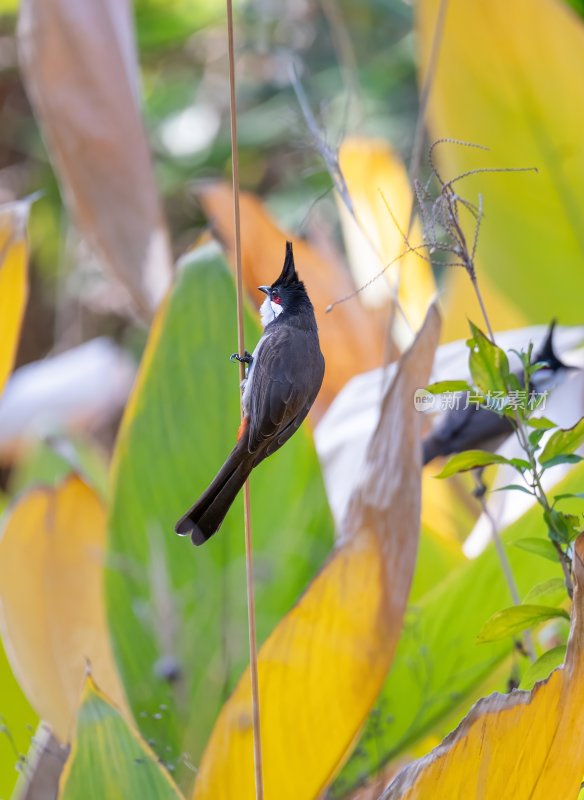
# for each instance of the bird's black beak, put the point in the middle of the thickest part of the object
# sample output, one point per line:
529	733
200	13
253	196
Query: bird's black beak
264	289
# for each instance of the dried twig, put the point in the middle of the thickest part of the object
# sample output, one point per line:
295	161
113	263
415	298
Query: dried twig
253	659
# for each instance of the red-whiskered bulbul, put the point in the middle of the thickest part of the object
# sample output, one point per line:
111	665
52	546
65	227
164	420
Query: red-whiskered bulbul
472	427
284	376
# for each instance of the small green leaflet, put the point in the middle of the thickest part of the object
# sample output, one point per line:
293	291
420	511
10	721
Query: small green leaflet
448	386
472	459
488	364
540	547
543	666
547	593
563	442
516	619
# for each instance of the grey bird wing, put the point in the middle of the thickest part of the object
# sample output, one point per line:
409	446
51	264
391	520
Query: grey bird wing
287	376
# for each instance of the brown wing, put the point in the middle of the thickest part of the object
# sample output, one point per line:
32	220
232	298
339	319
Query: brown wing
287	376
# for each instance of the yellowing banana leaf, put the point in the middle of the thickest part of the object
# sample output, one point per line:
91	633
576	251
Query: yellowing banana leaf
379	187
51	602
13	282
109	759
177	613
351	336
438	668
322	667
80	69
525	745
496	84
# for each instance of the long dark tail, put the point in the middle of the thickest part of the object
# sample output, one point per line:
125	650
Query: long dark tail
204	519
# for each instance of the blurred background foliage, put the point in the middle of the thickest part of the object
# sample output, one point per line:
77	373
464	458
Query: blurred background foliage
357	62
183	59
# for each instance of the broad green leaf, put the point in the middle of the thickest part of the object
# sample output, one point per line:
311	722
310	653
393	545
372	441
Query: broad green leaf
108	759
525	745
177	613
13	282
547	593
563	442
526	216
539	547
540	670
488	364
516	619
53	622
470	459
438	663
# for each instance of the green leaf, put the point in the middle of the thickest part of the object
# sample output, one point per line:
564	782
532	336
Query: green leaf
569	458
109	759
516	619
470	459
569	496
535	437
513	487
448	386
547	593
563	442
438	670
564	528
540	423
540	669
177	613
489	365
540	547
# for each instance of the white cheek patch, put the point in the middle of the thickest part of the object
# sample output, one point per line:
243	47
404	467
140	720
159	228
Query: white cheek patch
269	311
266	313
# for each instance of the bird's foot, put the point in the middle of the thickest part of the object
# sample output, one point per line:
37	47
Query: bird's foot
246	358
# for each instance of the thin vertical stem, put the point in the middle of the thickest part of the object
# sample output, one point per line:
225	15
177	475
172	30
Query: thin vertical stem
253	660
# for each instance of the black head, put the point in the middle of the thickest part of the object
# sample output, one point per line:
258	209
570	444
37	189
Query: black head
286	293
546	352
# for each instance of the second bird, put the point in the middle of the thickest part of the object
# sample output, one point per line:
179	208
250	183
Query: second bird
284	376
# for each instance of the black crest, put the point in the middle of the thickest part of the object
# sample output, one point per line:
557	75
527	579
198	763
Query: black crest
547	351
288	276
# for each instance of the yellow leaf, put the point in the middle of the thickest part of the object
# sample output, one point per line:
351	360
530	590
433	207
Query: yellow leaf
13	282
524	745
351	337
508	78
51	601
323	666
376	178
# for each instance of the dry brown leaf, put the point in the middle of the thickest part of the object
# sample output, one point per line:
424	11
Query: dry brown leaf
321	669
524	745
79	65
351	337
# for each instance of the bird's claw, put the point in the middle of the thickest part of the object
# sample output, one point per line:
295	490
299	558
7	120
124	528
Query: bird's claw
246	358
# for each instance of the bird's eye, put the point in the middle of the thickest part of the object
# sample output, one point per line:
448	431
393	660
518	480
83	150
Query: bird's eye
275	298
